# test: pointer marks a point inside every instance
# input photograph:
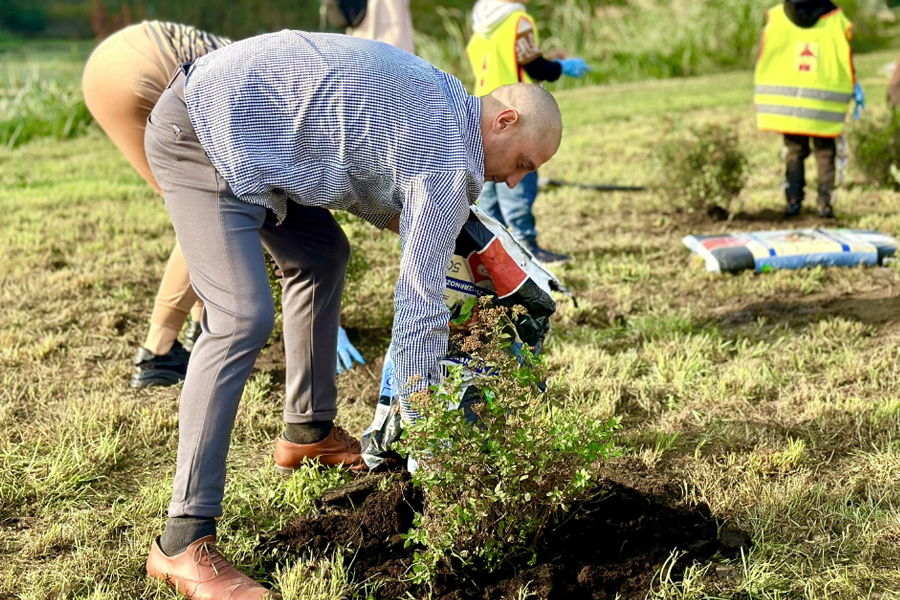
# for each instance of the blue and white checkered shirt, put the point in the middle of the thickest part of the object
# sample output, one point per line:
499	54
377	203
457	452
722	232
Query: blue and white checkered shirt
352	124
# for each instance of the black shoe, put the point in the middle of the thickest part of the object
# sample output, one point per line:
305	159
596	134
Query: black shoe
545	256
793	208
190	335
163	369
826	212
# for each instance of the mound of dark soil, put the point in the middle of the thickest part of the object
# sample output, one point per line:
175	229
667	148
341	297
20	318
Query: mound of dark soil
612	544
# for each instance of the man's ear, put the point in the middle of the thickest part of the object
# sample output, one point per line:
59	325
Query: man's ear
505	120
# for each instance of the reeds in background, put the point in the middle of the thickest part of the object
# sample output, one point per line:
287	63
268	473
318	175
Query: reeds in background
623	40
34	104
644	39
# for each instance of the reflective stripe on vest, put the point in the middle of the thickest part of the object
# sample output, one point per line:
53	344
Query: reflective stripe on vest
803	113
804	77
784	90
493	58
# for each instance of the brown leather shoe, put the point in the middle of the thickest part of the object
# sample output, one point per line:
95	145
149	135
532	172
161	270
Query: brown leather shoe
338	449
202	573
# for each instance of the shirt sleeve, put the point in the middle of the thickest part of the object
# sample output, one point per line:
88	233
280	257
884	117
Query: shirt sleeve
435	210
541	69
379	220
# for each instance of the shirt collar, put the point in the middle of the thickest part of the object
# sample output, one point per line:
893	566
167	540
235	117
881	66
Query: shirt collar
472	133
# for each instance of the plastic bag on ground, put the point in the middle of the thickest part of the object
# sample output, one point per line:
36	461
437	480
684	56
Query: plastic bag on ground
764	251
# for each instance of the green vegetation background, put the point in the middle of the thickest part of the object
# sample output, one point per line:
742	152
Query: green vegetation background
622	39
772	399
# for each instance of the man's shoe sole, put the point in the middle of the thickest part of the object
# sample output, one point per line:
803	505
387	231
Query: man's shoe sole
155	378
287	472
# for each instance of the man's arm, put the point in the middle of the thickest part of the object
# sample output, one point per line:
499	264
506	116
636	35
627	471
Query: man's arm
541	69
536	64
529	55
379	220
435	210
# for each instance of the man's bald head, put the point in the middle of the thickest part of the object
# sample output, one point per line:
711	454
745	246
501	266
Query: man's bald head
537	110
521	129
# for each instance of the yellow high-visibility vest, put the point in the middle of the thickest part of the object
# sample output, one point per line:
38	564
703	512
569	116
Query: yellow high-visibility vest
493	58
804	77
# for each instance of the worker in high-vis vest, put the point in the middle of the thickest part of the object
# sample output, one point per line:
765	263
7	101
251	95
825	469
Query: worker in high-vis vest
504	50
804	82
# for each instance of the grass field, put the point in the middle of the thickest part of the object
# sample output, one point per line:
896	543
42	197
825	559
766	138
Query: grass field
773	399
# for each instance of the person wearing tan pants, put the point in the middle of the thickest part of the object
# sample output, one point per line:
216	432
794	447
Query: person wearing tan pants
123	79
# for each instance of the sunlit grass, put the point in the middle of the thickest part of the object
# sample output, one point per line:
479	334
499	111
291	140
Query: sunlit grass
772	399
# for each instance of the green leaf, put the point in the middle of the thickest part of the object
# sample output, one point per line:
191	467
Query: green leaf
465	312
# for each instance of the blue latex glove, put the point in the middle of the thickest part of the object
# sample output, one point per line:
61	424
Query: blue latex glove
860	99
573	67
347	353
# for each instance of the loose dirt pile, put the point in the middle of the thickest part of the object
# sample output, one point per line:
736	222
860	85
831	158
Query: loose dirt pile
612	544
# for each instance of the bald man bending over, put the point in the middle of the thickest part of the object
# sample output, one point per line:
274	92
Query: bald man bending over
252	148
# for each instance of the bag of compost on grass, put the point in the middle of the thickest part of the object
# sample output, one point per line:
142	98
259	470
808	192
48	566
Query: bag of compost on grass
487	260
765	251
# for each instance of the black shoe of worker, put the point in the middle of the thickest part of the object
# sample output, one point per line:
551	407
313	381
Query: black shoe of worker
190	335
793	208
162	369
545	256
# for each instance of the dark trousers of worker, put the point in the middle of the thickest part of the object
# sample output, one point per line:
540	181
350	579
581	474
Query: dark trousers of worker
797	152
222	239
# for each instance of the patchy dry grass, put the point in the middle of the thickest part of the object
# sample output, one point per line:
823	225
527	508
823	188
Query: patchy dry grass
774	399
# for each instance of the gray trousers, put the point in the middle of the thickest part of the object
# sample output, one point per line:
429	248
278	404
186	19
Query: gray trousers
222	239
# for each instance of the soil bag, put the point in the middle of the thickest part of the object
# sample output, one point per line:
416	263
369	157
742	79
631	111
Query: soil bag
765	251
487	260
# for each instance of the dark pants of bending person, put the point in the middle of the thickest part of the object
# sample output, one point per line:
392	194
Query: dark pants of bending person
798	151
222	239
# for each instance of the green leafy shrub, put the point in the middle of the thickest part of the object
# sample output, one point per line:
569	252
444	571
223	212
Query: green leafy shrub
492	489
704	169
875	144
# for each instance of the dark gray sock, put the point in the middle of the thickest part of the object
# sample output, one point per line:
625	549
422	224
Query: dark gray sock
181	532
307	433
